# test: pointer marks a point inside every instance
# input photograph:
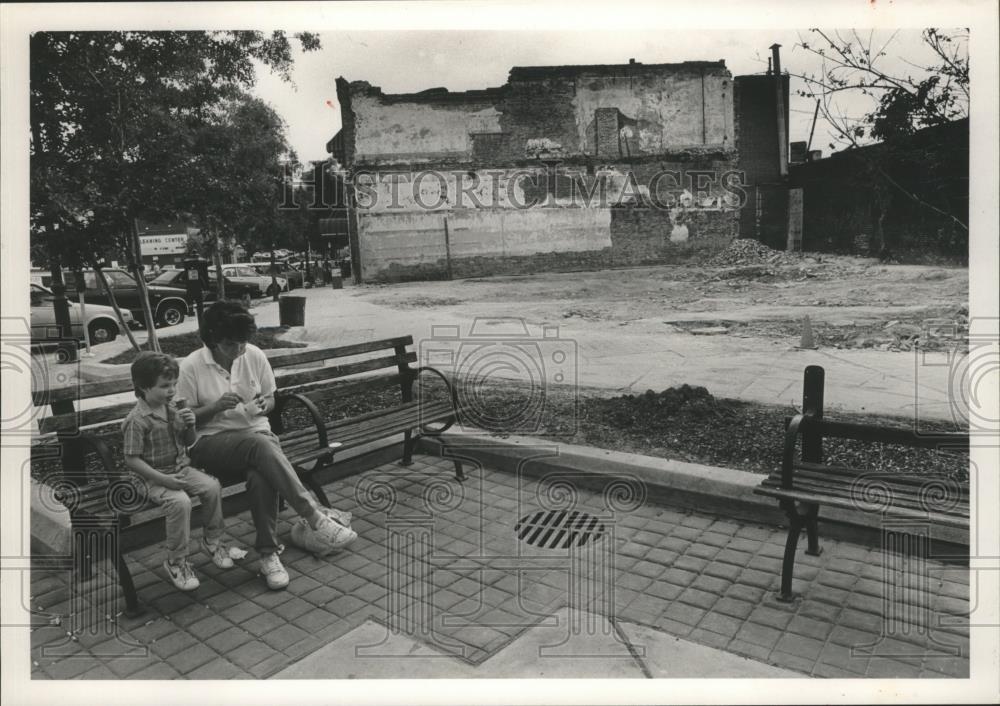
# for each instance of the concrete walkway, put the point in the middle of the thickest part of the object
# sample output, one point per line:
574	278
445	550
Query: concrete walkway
632	358
444	581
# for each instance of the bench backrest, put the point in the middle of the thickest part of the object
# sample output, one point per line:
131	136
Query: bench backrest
366	365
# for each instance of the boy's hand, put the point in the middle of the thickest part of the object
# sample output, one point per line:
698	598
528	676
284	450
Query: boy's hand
186	416
173	482
228	401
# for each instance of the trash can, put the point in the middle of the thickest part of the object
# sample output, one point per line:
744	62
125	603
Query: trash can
292	311
336	281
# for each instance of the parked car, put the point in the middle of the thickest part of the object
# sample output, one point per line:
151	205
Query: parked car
283	270
102	324
176	278
245	274
168	305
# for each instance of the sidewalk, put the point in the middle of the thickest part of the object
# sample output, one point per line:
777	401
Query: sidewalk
440	584
643	355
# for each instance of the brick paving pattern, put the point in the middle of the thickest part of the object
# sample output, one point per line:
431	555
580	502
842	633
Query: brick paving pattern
440	561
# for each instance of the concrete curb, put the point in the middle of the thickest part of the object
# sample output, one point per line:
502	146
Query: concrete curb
724	491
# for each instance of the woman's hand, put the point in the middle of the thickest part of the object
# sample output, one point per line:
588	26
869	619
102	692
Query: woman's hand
228	401
260	402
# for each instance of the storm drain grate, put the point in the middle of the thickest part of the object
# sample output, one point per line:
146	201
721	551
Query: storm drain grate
558	529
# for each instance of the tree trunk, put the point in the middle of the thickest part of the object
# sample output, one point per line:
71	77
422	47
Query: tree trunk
274	268
114	305
137	268
63	322
217	261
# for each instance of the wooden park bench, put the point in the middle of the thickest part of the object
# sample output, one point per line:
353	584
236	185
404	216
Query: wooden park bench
102	500
805	483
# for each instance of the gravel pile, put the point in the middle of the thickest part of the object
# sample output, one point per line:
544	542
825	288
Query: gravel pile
746	251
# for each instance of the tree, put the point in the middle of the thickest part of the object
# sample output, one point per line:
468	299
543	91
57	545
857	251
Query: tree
236	175
114	117
933	90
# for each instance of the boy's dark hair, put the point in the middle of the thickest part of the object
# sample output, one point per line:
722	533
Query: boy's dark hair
226	320
148	367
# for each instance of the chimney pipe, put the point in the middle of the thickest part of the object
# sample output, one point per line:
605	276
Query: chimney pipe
779	105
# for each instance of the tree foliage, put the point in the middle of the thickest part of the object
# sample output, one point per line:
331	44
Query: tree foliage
932	91
903	95
121	125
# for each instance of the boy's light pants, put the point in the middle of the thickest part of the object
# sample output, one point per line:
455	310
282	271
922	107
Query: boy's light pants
177	504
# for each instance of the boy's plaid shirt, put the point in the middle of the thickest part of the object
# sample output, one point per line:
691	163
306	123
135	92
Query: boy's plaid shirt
156	437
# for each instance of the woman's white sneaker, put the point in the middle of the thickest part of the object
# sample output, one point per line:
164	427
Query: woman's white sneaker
273	572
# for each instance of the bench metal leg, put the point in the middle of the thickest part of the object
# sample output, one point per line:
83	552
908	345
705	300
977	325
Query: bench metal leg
133	608
795	524
408	443
812	531
310	480
459	471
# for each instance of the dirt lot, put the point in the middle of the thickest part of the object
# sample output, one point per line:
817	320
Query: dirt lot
747	291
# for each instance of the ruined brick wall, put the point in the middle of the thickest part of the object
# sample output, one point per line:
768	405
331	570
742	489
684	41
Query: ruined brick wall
847	201
596	122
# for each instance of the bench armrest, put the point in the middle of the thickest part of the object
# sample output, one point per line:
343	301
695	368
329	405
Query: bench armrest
452	396
792	432
283	399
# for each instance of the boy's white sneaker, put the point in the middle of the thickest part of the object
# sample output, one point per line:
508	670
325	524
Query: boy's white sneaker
181	574
273	572
219	553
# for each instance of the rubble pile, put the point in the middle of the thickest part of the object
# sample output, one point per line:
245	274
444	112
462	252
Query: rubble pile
746	251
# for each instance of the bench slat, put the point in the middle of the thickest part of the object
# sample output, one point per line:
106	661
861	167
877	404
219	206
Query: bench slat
351	435
86	418
846	472
884	434
958	521
320	392
89	390
901	495
338	371
331	352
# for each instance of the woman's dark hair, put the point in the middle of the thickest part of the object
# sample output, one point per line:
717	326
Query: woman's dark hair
226	320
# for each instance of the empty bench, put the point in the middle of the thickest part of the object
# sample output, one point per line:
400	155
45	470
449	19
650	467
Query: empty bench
804	482
99	493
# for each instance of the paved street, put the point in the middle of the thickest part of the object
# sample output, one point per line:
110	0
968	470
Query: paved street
440	583
635	359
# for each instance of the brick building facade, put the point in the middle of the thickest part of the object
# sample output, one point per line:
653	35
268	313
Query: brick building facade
565	167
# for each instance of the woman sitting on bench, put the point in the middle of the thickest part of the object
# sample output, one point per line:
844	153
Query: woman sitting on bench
230	387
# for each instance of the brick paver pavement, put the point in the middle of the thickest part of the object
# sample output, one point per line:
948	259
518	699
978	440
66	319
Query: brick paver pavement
441	562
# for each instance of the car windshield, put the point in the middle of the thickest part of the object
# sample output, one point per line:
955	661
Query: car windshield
40	295
117	278
168	277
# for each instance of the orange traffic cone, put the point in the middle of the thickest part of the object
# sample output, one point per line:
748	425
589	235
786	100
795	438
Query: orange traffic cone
807	341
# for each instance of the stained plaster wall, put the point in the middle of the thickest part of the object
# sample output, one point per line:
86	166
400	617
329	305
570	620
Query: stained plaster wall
679	118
